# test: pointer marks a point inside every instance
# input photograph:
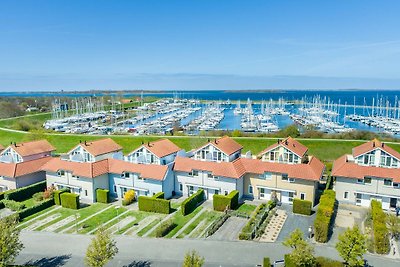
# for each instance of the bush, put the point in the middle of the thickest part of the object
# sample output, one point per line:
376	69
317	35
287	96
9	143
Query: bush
1	205
327	262
381	233
13	205
256	224
1	195
288	261
57	195
152	204
164	228
324	216
267	262
217	224
70	200
39	196
34	209
26	192
191	203
220	202
302	206
102	195
49	192
129	197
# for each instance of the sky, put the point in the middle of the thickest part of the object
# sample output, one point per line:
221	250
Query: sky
199	45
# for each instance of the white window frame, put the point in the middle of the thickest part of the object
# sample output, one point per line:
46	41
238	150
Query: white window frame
303	196
250	190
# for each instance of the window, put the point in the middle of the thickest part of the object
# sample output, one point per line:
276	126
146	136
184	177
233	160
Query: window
61	173
209	175
180	187
291	195
268	175
226	193
115	189
346	195
387	182
292	180
284	177
272	156
194	173
396	185
85	192
216	191
360	181
125	175
250	189
367	180
302	196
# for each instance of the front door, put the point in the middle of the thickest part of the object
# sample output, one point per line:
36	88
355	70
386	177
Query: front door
393	202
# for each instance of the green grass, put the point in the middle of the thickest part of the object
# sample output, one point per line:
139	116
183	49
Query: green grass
207	216
246	209
29	202
33	216
139	216
181	220
148	227
98	220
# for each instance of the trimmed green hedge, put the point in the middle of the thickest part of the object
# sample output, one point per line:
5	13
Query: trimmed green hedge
57	195
70	200
220	202
154	204
217	224
35	209
26	192
302	206
164	228
191	203
267	262
13	205
102	195
324	216
159	195
1	205
1	195
381	233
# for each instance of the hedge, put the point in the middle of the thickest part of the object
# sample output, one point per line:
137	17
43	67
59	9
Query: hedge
102	195
220	202
159	195
324	216
57	195
35	209
13	205
267	262
164	228
26	192
288	261
302	206
381	233
70	200
1	205
191	203
2	195
256	224
153	204
327	262
217	224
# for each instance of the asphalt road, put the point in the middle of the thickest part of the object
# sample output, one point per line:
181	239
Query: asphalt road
50	249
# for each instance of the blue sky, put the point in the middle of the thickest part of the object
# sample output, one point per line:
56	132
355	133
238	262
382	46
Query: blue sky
82	45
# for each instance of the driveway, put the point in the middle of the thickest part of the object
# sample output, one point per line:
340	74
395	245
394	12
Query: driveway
230	229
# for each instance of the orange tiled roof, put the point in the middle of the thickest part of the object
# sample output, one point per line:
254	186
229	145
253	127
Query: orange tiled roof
161	148
14	170
351	170
32	148
95	169
313	170
100	147
289	143
225	144
372	145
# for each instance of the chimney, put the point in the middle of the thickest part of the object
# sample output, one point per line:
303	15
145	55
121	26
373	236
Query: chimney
286	142
208	140
15	144
279	141
383	144
85	143
373	144
80	141
215	141
142	142
148	144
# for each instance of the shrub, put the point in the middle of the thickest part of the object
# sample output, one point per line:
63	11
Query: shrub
1	195
256	224
327	262
70	200
164	228
231	201
302	206
49	192
57	195
217	224
129	197
324	216
288	261
34	209
266	262
152	204
159	195
102	195
39	196
26	192
381	233
13	205
191	203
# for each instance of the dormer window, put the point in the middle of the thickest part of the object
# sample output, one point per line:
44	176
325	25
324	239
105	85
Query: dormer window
194	173
387	182
125	175
61	173
268	175
285	177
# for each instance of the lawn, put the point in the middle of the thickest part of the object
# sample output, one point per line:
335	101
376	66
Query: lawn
246	209
204	219
180	221
139	216
148	227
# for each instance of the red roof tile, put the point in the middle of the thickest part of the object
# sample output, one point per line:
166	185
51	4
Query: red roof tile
14	170
351	170
289	143
100	147
32	148
160	148
372	145
225	144
313	170
155	172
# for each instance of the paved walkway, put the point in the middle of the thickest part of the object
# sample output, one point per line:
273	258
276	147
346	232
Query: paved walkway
274	227
156	252
230	229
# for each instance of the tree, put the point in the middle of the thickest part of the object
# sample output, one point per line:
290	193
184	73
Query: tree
393	224
101	250
351	246
10	245
193	259
302	253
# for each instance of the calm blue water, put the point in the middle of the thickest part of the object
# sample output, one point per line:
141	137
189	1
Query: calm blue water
334	95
